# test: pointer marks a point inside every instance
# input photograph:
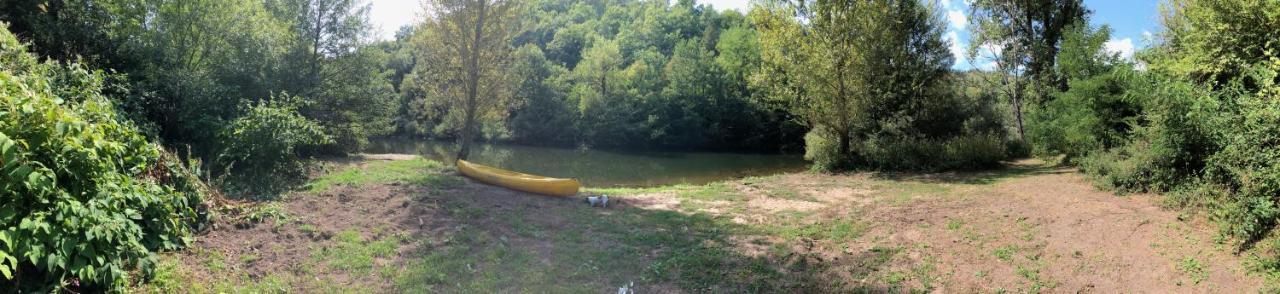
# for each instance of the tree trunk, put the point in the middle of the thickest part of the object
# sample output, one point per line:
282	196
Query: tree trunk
1017	109
843	139
473	83
468	124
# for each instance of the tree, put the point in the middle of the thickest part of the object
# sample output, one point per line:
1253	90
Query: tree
816	61
597	77
468	46
1023	37
541	114
852	69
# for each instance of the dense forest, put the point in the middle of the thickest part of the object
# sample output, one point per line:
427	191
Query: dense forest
115	114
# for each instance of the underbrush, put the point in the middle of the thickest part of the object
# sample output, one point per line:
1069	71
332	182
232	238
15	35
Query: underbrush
85	200
964	152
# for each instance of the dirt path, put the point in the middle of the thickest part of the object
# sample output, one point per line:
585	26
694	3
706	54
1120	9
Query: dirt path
372	226
1053	230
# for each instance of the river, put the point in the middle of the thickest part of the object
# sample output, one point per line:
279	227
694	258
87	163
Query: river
607	168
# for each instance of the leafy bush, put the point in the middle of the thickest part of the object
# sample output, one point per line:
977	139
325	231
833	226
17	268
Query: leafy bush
1093	115
270	139
1247	162
1167	144
823	152
84	198
964	152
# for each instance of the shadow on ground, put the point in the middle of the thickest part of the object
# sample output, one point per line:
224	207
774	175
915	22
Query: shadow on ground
504	241
1009	170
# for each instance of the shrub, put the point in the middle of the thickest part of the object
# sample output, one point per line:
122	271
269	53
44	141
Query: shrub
1246	163
823	152
971	152
269	139
84	198
964	152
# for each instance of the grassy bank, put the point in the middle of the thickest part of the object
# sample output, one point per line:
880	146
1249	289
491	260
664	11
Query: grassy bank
416	226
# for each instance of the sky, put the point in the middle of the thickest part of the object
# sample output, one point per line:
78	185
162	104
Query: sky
1131	21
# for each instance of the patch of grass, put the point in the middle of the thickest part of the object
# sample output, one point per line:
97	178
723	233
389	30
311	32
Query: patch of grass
837	230
1194	269
923	272
954	224
416	171
904	192
1005	253
1032	274
712	192
878	257
355	253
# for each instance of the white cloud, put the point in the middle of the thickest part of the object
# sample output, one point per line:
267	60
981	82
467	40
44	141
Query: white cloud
946	3
389	15
1124	47
957	18
957	46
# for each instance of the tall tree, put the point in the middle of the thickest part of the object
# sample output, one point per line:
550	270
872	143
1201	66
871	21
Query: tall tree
816	60
852	69
1023	36
468	44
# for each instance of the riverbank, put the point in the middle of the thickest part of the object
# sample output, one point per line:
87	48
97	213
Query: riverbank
413	225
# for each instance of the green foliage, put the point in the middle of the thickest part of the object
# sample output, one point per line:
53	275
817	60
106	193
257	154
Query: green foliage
863	111
188	65
85	200
1215	41
269	141
1095	113
628	74
1201	124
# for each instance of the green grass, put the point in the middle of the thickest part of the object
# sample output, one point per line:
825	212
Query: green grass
355	253
712	192
1005	253
416	171
954	224
1194	270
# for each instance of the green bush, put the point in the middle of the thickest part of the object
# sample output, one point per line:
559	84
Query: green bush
970	152
85	200
1247	161
269	139
823	152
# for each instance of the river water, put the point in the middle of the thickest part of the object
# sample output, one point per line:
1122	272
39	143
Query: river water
607	168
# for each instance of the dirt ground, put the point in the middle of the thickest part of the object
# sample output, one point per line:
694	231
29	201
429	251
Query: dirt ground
1027	228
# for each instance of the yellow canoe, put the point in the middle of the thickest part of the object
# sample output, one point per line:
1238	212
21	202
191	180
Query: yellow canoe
518	181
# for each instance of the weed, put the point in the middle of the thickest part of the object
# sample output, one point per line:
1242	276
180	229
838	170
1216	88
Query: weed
954	224
1005	253
1194	269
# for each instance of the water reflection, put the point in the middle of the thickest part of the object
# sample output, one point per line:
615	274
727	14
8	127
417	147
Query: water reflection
607	168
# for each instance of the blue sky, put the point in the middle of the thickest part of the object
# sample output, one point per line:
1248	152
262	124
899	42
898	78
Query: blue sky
1130	21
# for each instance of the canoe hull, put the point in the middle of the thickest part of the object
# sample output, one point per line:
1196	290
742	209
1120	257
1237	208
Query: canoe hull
519	181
